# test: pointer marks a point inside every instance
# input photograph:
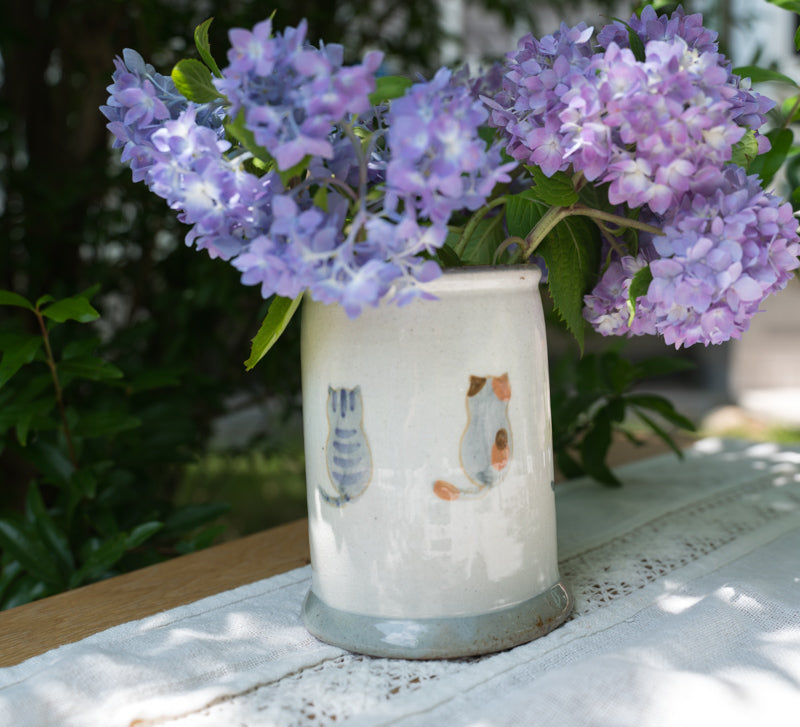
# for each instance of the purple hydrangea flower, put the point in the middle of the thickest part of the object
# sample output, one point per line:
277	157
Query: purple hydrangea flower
720	255
438	163
292	94
649	128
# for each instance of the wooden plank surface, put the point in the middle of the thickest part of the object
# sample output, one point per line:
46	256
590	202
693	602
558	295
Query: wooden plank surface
37	627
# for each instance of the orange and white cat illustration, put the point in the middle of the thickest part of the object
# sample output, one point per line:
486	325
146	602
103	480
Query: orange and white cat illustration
485	448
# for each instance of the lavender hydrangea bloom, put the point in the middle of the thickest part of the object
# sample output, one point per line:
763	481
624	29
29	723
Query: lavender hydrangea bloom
650	128
140	100
290	93
721	254
438	163
748	109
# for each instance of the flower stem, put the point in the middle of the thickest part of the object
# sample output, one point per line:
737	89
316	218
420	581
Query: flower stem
473	222
554	215
51	364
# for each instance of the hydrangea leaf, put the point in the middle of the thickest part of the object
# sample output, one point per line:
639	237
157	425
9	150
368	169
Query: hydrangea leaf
485	239
193	79
523	211
763	75
204	46
246	138
791	5
278	316
637	46
745	150
388	88
639	286
767	165
557	190
571	253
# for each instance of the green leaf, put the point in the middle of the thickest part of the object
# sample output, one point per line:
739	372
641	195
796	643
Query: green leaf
791	5
594	449
797	38
51	534
54	464
661	406
18	355
278	316
484	241
9	298
639	286
523	211
763	75
388	88
558	190
90	368
21	541
662	366
76	308
660	433
447	257
193	80
99	560
141	533
105	423
28	414
204	46
247	139
571	252
767	165
637	46
745	150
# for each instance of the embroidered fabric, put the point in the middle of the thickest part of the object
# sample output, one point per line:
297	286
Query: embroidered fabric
686	606
351	686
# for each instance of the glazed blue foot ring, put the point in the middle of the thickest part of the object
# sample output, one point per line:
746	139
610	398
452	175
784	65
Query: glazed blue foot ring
439	638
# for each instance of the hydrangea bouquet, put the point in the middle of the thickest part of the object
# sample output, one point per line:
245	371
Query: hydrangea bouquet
617	160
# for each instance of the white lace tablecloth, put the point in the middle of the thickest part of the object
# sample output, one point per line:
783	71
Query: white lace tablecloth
687	587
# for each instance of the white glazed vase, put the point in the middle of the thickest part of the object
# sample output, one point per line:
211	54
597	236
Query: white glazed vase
430	470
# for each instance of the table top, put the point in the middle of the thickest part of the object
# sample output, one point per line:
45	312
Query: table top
687	611
43	625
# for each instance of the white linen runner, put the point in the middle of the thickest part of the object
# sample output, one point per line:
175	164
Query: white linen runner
687	586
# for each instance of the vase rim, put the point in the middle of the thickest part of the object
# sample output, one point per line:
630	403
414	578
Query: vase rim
484	276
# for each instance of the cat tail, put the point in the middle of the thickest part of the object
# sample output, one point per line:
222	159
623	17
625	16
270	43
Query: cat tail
339	501
445	491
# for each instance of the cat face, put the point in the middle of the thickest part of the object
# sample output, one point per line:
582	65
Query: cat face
344	405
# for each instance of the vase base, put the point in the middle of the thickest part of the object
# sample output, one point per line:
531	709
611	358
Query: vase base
439	638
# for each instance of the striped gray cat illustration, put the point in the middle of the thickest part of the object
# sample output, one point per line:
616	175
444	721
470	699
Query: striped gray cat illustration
485	447
347	453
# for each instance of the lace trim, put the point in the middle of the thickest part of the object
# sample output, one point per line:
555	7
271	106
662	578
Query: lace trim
352	685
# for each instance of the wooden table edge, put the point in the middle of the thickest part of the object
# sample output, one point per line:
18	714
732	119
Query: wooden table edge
37	627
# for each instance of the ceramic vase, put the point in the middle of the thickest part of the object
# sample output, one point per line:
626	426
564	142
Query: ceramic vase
430	470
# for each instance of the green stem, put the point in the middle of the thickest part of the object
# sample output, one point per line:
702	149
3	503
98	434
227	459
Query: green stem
556	214
473	222
791	114
51	363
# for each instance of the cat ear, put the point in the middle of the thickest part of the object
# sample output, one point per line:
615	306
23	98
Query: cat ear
476	383
502	387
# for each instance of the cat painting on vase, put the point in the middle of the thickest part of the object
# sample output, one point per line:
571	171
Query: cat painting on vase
485	447
347	453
